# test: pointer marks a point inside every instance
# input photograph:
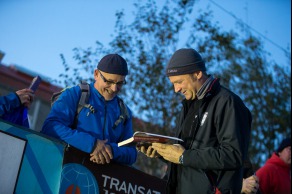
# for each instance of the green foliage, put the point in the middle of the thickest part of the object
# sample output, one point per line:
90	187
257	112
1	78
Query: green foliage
147	43
236	57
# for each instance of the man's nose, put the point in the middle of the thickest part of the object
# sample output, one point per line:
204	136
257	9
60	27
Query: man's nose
177	89
114	87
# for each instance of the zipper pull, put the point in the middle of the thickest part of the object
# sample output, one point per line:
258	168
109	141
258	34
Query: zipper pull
67	147
91	109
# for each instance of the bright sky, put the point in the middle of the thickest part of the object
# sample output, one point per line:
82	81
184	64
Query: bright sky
34	33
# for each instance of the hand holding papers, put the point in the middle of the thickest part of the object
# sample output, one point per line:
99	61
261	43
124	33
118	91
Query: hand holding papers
140	138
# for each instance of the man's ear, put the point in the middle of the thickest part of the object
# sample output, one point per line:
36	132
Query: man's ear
95	74
198	74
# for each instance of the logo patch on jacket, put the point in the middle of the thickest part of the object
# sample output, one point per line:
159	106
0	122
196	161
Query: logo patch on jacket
204	118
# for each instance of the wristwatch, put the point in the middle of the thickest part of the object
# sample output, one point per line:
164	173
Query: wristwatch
181	159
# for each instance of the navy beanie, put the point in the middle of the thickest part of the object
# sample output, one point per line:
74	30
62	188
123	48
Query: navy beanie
285	143
185	61
113	64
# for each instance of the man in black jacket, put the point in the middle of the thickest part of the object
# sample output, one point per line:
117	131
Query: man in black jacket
215	126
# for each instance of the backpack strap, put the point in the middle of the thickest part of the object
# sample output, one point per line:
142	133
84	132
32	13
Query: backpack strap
124	113
84	98
83	101
55	96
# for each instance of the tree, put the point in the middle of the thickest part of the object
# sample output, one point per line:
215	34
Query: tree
238	60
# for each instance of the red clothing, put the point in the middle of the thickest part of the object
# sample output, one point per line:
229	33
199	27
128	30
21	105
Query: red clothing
274	176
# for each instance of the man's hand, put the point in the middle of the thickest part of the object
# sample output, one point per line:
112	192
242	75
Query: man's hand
170	152
250	185
102	153
147	150
25	96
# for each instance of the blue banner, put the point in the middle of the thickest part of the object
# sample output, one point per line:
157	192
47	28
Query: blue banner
40	164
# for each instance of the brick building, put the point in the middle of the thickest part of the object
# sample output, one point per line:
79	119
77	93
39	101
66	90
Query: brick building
13	78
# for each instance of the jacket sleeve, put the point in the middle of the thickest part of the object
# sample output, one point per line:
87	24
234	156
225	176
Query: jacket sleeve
125	154
61	117
8	103
227	149
247	168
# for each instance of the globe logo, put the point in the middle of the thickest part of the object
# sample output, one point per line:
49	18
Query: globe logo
77	179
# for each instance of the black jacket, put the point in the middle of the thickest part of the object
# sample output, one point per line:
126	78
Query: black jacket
216	145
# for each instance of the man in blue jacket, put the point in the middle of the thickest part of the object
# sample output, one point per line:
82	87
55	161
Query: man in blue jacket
13	107
94	133
215	126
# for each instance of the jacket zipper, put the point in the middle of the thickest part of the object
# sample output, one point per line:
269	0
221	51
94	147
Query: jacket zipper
104	121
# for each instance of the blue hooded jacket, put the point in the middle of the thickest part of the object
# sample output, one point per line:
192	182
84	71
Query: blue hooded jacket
90	126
